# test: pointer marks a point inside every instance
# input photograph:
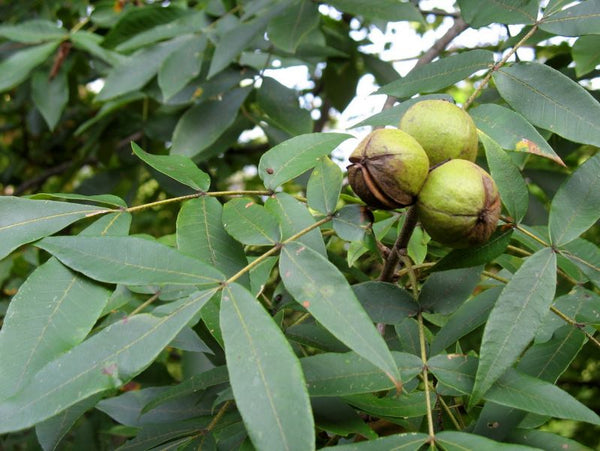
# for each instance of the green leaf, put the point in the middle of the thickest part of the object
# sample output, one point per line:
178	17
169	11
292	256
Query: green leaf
444	291
341	374
137	70
466	319
528	393
135	21
288	29
379	10
513	389
200	234
23	220
191	22
178	167
545	440
90	42
293	216
106	199
580	19
291	158
120	351
16	68
321	289
280	105
464	441
45	319
336	417
324	186
116	224
236	39
511	185
546	361
439	74
250	223
512	323
512	131
385	302
479	13
352	222
33	31
586	256
407	441
51	431
392	116
204	123
181	66
487	252
585	54
130	260
550	100
265	375
576	204
404	405
50	96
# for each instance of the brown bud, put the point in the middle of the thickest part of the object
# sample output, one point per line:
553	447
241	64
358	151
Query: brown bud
388	169
459	204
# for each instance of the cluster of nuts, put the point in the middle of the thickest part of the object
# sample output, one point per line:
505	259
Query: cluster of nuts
429	161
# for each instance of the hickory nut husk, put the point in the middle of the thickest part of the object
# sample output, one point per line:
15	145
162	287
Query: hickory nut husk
388	169
444	130
459	204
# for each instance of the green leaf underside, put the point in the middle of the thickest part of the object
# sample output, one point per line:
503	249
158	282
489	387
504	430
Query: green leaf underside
342	374
16	68
130	261
511	185
23	220
487	252
407	441
550	100
576	205
105	361
200	234
296	155
29	340
287	30
513	389
512	323
326	294
581	19
512	131
265	375
201	125
479	13
324	186
250	223
439	74
178	167
293	217
445	291
463	441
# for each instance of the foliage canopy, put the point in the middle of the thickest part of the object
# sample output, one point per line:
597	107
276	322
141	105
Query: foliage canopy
183	264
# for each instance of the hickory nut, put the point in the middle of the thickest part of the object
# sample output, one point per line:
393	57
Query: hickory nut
388	169
444	130
459	204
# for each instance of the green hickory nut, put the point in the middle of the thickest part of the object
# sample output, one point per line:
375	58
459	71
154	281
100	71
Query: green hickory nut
444	130
388	169
459	204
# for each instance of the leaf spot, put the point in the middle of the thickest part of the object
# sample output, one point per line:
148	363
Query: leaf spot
270	171
300	250
306	304
110	369
249	204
